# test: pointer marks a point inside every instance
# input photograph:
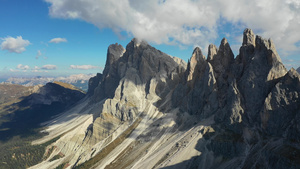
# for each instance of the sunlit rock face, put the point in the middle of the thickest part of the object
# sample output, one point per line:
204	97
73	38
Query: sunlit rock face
151	110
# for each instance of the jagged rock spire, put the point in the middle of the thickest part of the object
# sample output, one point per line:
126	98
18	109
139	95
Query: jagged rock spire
114	52
212	51
197	56
220	59
197	60
248	37
225	53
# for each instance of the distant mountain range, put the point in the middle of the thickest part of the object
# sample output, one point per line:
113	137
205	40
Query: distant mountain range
79	80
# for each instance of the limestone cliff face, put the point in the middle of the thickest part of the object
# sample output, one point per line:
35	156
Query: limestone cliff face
132	79
93	83
280	113
253	90
151	110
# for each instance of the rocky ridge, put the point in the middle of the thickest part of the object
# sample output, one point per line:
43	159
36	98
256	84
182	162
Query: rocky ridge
151	110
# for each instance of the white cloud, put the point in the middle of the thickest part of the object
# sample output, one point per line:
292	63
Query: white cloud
39	53
14	45
39	71
49	67
58	40
23	67
190	22
84	67
13	70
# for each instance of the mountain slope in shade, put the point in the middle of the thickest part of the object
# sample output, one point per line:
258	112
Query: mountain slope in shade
22	109
298	70
151	110
26	107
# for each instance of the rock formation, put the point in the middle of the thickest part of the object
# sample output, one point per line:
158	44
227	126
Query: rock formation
151	110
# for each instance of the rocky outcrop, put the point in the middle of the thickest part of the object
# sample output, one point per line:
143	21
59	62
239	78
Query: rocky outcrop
243	93
196	93
261	69
280	113
131	80
93	83
110	80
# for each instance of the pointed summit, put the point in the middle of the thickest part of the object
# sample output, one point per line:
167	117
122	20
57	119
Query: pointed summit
135	42
221	59
196	63
114	52
224	41
249	37
197	55
212	51
225	50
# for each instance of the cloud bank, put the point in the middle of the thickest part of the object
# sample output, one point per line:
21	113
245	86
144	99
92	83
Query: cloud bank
49	67
190	22
23	67
14	45
58	40
84	67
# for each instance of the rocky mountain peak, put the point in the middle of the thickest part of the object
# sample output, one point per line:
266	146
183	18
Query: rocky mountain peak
196	65
248	37
136	43
212	51
220	59
114	52
225	53
197	57
224	41
294	75
272	55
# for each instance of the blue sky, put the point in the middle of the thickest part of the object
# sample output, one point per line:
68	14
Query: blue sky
173	26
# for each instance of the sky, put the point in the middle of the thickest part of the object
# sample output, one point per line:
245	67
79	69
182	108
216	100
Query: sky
64	37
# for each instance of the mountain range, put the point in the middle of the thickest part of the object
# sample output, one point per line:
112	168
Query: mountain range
78	80
151	110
